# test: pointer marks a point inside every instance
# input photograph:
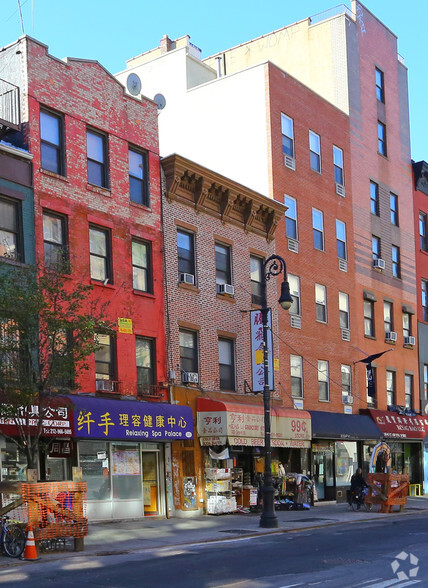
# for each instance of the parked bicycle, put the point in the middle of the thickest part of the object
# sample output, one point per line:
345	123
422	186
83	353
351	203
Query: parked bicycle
12	537
356	499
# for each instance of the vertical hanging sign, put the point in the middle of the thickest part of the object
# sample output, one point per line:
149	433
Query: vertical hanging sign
257	350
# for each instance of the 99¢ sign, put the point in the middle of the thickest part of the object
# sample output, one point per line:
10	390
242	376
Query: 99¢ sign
298	427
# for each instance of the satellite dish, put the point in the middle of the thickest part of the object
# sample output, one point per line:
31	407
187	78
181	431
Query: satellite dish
160	101
133	83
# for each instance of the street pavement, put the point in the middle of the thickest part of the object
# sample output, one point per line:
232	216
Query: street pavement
126	536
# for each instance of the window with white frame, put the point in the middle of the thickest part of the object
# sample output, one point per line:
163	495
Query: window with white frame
256	270
341	240
407	324
287	129
388	316
315	151
141	266
323	381
376	253
408	390
369	318
55	241
380	85
294	283
343	310
338	165
291	217
390	387
346	380
318	229
296	374
10	229
321	303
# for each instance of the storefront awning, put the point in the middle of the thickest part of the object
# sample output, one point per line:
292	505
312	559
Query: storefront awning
397	426
243	424
330	425
100	418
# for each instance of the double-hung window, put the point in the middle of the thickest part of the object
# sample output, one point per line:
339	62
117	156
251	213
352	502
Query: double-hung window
388	316
287	130
105	364
390	387
321	303
296	374
318	229
188	352
226	359
55	241
381	138
138	177
375	247
424	297
343	310
10	229
100	254
294	283
186	255
338	165
223	265
395	254
393	207
374	198
369	330
51	142
346	380
408	390
423	243
315	151
407	324
256	269
96	149
323	381
380	85
291	217
371	382
341	239
142	266
146	364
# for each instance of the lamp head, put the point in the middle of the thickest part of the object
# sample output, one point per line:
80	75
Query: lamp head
285	300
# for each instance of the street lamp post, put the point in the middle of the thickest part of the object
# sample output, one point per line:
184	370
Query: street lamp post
273	266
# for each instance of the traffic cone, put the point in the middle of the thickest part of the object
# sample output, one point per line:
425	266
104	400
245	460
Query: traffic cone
30	552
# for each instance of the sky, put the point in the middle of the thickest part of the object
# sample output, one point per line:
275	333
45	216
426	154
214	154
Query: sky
112	31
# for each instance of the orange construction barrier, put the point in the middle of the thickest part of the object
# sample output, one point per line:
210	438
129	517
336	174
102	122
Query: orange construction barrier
30	552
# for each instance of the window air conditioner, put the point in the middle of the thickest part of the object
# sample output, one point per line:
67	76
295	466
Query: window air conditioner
409	341
190	377
226	289
347	399
379	264
346	335
187	279
105	385
289	162
340	190
391	336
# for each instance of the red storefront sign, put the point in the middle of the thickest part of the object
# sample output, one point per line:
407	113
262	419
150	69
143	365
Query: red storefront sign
398	426
57	421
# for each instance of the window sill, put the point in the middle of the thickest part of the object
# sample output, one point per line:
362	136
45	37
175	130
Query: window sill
382	155
46	172
226	297
319	400
370	337
98	190
15	262
141	206
321	322
143	294
190	287
102	285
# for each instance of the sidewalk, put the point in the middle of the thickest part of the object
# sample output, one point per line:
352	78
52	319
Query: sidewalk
109	538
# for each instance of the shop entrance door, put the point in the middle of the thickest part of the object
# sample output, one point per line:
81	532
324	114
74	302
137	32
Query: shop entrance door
56	468
151	490
323	473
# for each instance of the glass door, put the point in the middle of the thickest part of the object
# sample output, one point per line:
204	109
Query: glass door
151	492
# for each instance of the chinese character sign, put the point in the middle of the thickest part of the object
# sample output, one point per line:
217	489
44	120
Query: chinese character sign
257	347
97	418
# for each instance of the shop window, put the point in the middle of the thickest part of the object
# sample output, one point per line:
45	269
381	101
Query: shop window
321	303
94	459
291	217
256	269
10	229
296	374
344	310
315	151
55	241
126	471
100	254
374	198
226	355
96	149
323	381
145	352
52	142
138	177
408	390
142	266
390	387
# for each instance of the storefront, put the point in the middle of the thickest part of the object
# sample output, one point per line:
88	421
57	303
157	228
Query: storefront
405	437
233	437
338	449
124	452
